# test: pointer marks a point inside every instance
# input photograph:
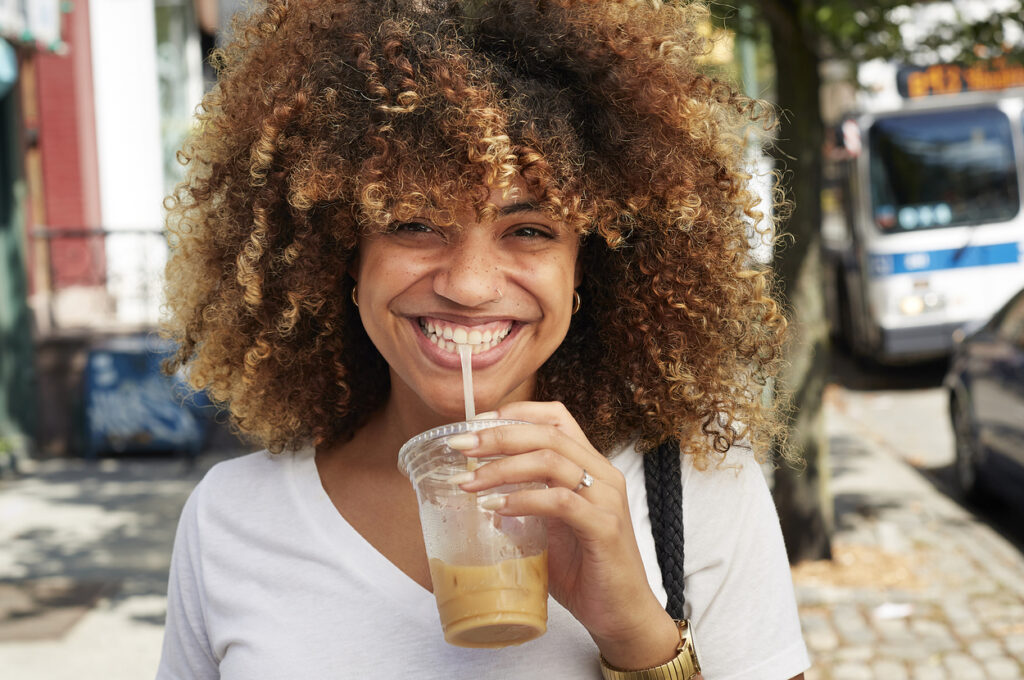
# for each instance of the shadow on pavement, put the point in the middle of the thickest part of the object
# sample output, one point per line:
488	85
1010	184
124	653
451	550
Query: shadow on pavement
1003	516
78	531
844	452
46	608
861	375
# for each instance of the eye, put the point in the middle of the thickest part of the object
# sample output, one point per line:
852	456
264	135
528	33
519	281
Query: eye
409	228
532	232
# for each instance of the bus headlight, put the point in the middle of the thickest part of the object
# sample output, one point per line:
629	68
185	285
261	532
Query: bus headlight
912	305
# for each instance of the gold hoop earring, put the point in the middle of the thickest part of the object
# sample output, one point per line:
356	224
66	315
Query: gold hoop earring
576	301
353	295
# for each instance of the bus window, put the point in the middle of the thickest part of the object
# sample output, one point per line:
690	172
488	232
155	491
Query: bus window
944	169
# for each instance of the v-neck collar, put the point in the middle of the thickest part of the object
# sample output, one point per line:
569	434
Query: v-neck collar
358	553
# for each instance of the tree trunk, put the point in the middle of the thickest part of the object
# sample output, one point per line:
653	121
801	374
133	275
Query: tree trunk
802	494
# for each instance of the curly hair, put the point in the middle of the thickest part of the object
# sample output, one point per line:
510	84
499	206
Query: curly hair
333	120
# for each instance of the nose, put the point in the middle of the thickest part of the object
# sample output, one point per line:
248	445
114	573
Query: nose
472	273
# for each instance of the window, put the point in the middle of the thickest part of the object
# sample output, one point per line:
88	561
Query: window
942	169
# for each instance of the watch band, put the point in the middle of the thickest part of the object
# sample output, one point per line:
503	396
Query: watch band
683	666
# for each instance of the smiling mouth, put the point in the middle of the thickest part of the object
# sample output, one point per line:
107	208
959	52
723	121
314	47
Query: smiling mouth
447	335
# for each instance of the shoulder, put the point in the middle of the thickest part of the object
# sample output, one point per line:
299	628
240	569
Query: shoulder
258	468
728	512
736	473
248	484
729	505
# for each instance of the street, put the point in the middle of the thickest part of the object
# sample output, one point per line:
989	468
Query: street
921	587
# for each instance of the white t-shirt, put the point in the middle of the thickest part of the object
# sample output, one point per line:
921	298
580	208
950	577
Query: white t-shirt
268	581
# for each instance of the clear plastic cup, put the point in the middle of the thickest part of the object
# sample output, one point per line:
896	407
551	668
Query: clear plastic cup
490	573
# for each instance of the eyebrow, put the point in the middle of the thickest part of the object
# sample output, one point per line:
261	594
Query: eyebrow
517	208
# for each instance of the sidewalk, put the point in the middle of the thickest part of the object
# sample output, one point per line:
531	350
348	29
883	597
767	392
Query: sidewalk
84	552
920	589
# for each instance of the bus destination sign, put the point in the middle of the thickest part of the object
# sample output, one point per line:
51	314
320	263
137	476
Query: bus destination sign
916	81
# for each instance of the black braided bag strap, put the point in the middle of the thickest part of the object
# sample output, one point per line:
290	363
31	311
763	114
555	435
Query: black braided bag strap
665	506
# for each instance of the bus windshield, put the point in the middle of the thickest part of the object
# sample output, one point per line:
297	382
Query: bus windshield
943	169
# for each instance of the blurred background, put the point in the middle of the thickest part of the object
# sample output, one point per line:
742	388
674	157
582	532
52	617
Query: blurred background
901	140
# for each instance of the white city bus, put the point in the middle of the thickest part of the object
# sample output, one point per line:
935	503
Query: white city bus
926	232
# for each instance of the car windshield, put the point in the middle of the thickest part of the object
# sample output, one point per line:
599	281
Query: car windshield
945	169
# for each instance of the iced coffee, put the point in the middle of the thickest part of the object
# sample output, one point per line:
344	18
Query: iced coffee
489	572
492	605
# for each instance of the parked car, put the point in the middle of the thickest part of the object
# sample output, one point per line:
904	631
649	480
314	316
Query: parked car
986	404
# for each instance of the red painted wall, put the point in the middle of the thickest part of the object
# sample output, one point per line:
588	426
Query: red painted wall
67	146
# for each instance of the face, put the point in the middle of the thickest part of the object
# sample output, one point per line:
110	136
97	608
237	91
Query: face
503	286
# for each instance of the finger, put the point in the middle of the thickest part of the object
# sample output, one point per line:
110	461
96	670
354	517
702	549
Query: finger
544	466
511	440
552	413
588	521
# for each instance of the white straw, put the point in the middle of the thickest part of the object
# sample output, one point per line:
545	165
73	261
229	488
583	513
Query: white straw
466	355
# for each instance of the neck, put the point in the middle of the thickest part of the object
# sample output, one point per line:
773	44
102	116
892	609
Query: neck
401	418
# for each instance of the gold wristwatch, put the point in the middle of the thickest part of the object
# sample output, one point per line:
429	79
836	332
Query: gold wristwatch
683	667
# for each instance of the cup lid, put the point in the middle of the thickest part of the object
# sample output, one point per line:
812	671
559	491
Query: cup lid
447	431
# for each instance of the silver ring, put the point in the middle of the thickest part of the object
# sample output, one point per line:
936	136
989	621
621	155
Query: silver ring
587	480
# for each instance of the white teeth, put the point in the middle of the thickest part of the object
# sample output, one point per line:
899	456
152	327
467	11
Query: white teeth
448	338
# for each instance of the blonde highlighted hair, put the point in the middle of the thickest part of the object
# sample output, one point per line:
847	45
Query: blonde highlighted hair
332	120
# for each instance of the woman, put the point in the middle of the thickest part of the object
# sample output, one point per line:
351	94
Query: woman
557	181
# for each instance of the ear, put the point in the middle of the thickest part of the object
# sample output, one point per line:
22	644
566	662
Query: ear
577	277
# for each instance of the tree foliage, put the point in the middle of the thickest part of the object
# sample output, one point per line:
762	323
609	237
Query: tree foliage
861	30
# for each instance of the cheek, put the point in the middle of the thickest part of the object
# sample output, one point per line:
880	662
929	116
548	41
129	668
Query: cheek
554	285
386	275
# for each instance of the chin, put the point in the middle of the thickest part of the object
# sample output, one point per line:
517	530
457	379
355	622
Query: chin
448	410
454	409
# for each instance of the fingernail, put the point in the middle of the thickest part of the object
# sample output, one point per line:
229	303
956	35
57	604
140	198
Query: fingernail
487	415
493	502
463	442
462	478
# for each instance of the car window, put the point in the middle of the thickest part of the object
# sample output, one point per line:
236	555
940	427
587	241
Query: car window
1011	326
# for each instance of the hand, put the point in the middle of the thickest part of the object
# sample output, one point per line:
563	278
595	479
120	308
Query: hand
594	565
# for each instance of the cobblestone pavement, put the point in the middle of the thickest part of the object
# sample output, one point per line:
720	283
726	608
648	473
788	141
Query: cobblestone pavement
919	587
